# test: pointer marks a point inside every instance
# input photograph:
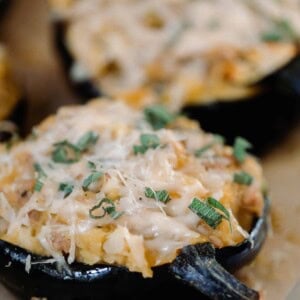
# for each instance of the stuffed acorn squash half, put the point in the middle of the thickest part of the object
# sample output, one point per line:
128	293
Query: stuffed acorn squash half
103	199
225	62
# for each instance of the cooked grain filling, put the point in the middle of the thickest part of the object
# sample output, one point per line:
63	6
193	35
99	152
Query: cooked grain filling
97	183
179	52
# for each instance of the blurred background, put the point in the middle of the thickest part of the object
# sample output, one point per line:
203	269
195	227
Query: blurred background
28	36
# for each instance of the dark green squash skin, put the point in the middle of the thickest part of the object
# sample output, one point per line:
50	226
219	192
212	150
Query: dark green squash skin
112	282
262	119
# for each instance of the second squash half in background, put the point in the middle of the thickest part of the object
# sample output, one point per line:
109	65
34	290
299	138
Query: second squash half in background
233	65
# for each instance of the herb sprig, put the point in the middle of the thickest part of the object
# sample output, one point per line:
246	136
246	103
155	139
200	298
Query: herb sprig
93	177
210	211
148	141
67	153
240	148
66	188
282	30
218	139
41	176
108	207
158	116
243	178
162	195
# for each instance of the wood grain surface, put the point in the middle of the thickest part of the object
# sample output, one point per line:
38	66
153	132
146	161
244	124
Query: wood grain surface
27	33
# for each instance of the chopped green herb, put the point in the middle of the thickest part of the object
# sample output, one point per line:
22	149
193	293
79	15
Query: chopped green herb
148	141
108	207
91	165
65	153
218	205
272	36
158	116
66	188
214	24
39	170
243	178
90	179
68	153
162	196
281	31
40	178
206	212
87	140
38	185
240	149
199	152
218	139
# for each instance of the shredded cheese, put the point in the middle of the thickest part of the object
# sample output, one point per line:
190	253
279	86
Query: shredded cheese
129	228
196	51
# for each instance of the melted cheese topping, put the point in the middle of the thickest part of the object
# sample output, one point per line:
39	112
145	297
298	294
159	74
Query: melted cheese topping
149	232
178	52
8	92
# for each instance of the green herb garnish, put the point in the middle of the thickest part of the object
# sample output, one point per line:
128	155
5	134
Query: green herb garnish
240	148
66	188
91	165
206	212
40	178
65	153
68	153
148	141
281	31
199	152
218	139
90	179
243	178
162	195
158	116
218	205
108	207
87	140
